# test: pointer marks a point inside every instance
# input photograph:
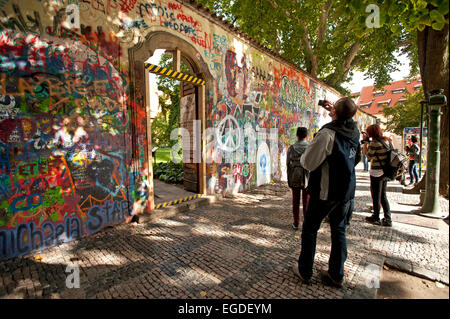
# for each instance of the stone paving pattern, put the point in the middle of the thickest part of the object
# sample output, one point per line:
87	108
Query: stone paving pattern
240	247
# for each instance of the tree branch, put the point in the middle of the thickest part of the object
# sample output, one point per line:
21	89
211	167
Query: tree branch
305	41
403	44
348	62
308	48
351	54
323	23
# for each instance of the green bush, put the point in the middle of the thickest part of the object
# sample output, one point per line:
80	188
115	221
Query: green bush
169	172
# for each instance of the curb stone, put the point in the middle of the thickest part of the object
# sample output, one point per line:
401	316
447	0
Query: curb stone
170	211
415	270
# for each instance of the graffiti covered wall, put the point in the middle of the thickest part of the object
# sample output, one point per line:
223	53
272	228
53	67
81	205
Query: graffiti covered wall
73	144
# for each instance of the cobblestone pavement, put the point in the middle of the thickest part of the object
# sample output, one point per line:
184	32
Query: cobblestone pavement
241	247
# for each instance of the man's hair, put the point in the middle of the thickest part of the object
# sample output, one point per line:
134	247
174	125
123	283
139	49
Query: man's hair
302	132
345	108
414	139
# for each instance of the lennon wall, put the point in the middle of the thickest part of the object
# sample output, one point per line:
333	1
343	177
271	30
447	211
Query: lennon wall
73	144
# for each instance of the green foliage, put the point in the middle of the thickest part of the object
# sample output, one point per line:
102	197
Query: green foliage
169	117
164	155
300	33
404	115
169	172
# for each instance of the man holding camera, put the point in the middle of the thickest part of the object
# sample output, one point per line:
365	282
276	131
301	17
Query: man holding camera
331	159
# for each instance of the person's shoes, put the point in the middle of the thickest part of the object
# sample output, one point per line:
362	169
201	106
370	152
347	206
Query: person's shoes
327	280
294	226
373	220
386	223
297	273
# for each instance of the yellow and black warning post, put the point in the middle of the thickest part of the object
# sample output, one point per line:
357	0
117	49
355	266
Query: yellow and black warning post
174	74
178	201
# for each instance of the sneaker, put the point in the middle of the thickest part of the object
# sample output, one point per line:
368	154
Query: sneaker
373	220
387	223
297	273
327	280
294	226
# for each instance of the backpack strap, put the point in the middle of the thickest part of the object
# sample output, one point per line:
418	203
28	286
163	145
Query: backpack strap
389	148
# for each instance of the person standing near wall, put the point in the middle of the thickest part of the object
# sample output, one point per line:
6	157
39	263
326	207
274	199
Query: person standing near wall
377	154
331	159
297	175
364	157
413	151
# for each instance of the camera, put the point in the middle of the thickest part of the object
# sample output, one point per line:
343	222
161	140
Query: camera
321	102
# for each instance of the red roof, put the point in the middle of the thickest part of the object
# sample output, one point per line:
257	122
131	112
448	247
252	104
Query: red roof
372	100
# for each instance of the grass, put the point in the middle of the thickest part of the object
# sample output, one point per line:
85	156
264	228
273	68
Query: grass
163	155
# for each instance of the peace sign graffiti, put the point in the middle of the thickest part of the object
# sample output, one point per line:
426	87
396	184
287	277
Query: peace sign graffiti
228	134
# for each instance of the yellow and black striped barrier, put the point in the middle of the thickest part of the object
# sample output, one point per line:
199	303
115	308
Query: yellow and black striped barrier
178	201
173	74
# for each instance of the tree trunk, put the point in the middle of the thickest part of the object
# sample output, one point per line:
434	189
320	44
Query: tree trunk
434	70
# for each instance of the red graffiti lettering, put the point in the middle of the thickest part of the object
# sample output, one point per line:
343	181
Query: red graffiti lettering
175	6
204	42
127	5
183	17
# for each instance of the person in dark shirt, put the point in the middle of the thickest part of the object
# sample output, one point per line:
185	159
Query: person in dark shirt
331	159
297	175
413	151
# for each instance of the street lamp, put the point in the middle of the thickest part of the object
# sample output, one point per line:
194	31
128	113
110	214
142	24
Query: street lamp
431	207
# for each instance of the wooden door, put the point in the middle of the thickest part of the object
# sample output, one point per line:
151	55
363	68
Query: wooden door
189	113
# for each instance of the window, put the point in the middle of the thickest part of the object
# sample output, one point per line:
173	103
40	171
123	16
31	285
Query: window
384	103
365	105
417	87
396	91
378	93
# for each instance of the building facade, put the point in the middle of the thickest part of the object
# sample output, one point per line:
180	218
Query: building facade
373	101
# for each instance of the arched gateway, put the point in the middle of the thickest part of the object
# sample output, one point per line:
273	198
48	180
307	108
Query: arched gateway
193	91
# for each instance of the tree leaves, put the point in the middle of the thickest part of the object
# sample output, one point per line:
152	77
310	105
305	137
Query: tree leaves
404	115
169	117
282	24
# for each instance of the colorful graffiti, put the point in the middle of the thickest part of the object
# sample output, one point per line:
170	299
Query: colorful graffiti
64	127
253	100
73	125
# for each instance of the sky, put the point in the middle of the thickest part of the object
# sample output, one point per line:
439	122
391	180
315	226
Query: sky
358	82
154	93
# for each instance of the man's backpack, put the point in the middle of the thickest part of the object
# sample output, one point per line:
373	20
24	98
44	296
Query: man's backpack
395	163
297	175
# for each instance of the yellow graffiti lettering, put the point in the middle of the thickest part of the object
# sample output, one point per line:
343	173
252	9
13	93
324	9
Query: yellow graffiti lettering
56	89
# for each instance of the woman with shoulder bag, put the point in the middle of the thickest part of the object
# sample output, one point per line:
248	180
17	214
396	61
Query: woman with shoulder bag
377	154
413	152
